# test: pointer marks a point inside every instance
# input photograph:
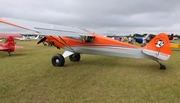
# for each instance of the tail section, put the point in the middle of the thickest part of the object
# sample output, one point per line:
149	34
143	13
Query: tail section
9	43
158	47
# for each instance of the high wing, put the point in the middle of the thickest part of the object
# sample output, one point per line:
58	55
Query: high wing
45	28
52	30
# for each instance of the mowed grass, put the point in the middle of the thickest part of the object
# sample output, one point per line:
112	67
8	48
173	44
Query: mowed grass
29	77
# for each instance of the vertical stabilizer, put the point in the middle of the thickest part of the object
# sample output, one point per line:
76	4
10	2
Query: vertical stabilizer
158	47
9	43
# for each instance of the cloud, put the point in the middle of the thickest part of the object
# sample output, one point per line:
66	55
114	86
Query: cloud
117	16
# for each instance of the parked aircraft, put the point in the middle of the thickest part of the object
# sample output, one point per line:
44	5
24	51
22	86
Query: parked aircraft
28	38
175	45
156	50
141	39
9	45
34	37
86	42
23	38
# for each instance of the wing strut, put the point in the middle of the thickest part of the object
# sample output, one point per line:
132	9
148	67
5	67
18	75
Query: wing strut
64	43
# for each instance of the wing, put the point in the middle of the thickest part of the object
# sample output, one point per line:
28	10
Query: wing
45	28
6	35
3	48
50	29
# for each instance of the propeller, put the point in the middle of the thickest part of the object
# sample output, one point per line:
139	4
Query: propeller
43	39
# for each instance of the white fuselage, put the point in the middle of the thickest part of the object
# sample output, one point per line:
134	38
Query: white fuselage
110	51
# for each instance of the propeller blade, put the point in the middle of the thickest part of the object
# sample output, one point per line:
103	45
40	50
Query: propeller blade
43	39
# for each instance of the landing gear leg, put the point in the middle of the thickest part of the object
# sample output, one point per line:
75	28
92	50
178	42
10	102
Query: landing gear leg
9	53
162	67
75	57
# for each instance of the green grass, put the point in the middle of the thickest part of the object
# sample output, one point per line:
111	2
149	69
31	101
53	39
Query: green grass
29	77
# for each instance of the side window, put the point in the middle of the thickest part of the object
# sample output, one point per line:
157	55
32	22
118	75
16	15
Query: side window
87	38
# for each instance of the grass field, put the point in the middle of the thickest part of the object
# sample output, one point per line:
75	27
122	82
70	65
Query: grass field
29	77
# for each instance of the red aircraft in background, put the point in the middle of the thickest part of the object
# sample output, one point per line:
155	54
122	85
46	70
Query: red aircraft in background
9	44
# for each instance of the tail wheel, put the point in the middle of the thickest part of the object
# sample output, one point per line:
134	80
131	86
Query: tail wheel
75	57
162	67
58	60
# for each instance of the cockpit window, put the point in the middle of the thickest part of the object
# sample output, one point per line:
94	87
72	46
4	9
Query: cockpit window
87	38
83	38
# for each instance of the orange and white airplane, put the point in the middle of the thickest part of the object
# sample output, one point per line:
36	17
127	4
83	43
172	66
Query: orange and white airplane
91	43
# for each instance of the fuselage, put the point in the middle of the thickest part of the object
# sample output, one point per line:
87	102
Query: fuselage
9	45
98	45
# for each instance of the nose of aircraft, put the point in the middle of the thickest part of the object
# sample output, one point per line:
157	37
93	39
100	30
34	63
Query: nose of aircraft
43	39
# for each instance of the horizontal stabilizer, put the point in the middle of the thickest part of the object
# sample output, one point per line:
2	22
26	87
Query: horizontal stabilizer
18	47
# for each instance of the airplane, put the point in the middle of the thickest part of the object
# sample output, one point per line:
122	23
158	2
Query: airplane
140	39
83	41
23	38
9	44
147	38
27	38
34	37
175	45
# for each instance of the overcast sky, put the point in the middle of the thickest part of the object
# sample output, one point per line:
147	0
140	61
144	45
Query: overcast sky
121	17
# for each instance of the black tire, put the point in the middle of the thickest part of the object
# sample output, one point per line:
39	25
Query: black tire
162	67
58	60
75	57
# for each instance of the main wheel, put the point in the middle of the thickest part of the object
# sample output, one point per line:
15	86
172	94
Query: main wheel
75	57
58	60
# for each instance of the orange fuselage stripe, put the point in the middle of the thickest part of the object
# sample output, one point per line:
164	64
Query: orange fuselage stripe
98	40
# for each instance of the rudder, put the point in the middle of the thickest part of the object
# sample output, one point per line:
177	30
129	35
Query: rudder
158	47
10	43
